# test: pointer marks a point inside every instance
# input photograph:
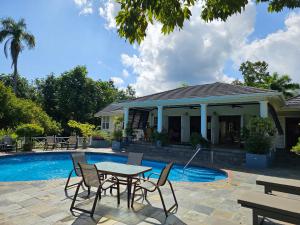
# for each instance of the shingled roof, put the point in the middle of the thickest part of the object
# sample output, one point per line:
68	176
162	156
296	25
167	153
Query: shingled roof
109	108
293	102
202	91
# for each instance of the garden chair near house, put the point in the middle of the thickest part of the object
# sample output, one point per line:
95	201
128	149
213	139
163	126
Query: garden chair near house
72	142
148	185
8	143
77	157
50	142
92	179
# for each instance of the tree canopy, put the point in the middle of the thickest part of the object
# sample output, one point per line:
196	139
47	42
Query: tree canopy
16	111
256	74
135	15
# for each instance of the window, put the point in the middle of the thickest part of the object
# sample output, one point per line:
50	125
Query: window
105	123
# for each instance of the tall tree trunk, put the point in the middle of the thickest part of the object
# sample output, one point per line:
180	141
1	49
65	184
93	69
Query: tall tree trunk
15	76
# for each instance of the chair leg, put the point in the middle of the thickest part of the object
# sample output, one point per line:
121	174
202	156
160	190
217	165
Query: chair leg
133	194
75	196
173	193
163	202
69	177
98	195
118	192
89	191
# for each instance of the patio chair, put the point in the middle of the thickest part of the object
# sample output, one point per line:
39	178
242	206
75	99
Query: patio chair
270	206
8	143
134	158
279	184
72	141
77	157
50	142
91	178
150	186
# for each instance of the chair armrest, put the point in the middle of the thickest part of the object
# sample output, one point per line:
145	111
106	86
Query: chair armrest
147	180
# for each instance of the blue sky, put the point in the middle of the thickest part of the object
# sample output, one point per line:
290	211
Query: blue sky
65	39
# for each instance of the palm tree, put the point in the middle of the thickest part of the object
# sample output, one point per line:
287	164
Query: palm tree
283	84
16	36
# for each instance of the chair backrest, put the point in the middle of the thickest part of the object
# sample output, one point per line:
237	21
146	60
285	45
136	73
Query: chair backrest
89	175
7	140
164	174
72	140
135	158
50	139
78	157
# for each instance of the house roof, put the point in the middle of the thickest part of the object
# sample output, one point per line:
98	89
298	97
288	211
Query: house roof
202	91
113	107
293	102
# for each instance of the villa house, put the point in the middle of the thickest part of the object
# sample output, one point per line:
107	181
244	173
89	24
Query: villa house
218	111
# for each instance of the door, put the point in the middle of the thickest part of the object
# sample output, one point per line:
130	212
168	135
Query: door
230	128
292	131
174	130
195	126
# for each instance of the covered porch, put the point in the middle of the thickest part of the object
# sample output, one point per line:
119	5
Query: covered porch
220	122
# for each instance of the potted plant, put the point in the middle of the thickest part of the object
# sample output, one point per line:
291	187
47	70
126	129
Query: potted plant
100	139
259	142
197	139
28	131
160	138
117	136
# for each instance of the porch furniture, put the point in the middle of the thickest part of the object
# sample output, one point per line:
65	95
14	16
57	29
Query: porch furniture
72	142
122	170
77	157
134	158
8	143
279	184
278	208
50	142
148	134
151	186
91	178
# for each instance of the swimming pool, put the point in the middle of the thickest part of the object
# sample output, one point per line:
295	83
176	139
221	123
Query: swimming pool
47	166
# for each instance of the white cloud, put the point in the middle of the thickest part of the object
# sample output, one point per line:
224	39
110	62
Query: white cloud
194	55
86	6
125	73
281	49
118	81
109	11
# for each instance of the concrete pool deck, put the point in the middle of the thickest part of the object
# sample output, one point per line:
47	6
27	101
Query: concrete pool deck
45	202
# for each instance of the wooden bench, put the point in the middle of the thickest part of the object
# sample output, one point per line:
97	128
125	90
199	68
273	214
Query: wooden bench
270	206
279	184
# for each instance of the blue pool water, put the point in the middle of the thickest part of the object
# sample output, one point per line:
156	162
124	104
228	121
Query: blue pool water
46	166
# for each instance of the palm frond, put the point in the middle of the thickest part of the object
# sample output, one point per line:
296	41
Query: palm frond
4	34
7	23
29	40
6	46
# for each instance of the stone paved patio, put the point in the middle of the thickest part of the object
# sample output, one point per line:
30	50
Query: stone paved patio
45	202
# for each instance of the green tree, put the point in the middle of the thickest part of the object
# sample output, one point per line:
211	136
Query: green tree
15	111
256	75
135	15
24	89
16	37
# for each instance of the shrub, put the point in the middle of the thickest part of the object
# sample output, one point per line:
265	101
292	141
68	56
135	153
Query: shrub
258	138
160	136
85	129
197	139
296	148
28	131
8	132
117	135
101	135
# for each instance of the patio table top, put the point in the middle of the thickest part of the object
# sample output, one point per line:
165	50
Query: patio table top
121	169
